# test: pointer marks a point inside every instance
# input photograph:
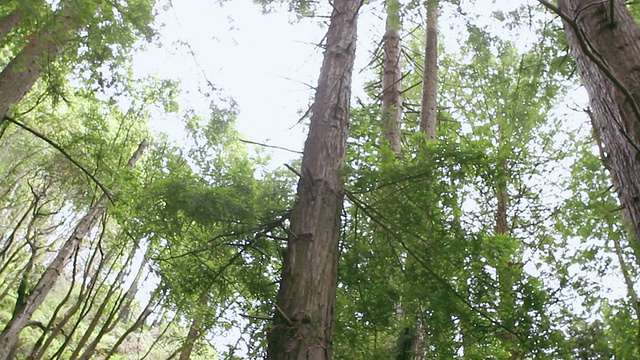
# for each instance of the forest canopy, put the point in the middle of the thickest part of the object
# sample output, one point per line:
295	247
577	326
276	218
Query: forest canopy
468	187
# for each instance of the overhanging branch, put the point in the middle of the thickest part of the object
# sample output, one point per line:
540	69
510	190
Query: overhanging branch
43	137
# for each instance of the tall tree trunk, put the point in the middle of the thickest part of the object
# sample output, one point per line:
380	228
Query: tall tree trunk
392	79
428	127
107	323
507	268
605	42
19	76
430	73
391	120
10	334
10	21
191	339
56	325
303	320
53	319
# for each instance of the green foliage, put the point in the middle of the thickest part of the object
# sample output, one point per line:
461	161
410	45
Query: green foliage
420	255
420	244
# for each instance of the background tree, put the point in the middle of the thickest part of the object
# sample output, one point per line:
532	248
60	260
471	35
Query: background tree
392	78
428	110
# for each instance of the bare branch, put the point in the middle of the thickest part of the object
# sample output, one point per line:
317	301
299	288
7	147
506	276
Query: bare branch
270	146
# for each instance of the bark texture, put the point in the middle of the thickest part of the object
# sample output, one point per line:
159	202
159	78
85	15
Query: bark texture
303	319
10	21
23	312
606	48
19	76
392	79
430	74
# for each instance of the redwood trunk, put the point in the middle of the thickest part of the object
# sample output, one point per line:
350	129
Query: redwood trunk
10	334
392	79
430	74
303	319
613	84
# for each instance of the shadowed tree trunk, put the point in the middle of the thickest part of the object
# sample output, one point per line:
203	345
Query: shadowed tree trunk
430	73
10	21
605	42
23	312
392	79
303	321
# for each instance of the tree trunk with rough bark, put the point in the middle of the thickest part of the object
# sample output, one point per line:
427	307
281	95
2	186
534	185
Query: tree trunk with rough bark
392	79
19	76
605	43
10	21
22	314
303	320
430	73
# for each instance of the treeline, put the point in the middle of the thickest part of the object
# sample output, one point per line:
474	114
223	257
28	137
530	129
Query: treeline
454	212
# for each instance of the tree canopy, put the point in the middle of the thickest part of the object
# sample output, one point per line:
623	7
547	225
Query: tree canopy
458	196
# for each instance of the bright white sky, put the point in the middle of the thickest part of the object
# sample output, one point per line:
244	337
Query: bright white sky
266	62
262	61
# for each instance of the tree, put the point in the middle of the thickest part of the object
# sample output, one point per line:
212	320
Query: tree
19	76
303	319
9	21
603	39
392	79
430	73
25	307
104	32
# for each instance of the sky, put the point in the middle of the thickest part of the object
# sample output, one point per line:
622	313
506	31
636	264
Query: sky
268	63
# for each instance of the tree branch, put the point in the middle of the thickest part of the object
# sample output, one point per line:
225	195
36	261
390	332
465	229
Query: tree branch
270	146
43	137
